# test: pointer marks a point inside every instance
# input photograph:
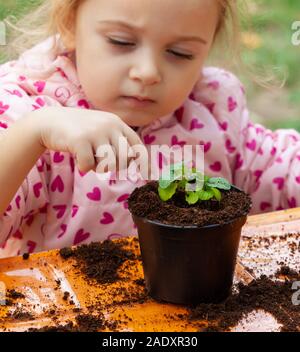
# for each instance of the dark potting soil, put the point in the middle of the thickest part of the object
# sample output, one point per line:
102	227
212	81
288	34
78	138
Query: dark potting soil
265	294
279	251
20	314
286	271
13	294
84	323
99	261
66	296
69	327
146	203
26	256
261	294
102	263
66	252
270	296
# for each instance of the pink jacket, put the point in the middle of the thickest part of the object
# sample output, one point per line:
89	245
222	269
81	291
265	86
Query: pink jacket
56	206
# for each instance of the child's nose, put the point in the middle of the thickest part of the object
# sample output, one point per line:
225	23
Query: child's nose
146	69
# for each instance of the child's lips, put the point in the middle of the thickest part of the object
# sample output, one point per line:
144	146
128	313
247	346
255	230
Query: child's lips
137	102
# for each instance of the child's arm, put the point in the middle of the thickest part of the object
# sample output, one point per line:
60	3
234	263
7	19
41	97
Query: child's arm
56	129
19	151
18	154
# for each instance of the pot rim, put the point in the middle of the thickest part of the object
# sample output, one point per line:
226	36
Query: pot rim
158	223
155	222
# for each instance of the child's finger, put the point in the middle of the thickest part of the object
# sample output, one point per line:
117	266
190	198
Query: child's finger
139	151
133	137
105	156
84	156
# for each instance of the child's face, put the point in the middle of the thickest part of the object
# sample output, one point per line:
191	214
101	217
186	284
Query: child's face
148	66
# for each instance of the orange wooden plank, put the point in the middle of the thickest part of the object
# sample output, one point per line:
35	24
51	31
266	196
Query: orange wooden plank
37	279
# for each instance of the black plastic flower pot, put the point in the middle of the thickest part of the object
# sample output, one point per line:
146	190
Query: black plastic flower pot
189	264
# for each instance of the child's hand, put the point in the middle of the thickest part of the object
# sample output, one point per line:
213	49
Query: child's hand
82	133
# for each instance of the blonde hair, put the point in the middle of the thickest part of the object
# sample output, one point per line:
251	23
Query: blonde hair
57	16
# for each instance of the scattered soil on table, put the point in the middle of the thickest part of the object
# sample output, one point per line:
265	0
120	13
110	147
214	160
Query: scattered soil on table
146	203
103	263
263	254
26	256
106	263
66	296
140	282
100	261
66	252
265	294
13	294
84	323
69	327
20	314
270	296
286	271
109	262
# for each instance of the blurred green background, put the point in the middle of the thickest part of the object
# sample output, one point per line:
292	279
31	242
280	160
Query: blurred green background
15	7
267	45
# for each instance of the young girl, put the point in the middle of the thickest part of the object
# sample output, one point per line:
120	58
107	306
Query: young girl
136	69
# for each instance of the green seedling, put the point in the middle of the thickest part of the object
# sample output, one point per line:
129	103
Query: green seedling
197	186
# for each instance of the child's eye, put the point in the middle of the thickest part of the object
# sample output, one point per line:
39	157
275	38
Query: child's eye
116	42
179	55
183	56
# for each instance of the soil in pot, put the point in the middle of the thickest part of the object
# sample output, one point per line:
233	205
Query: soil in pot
145	202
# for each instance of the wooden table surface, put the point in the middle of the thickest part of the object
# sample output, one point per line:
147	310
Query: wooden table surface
37	279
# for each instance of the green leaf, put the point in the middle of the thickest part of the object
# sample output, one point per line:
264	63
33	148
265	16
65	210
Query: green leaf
189	175
177	166
164	183
206	178
217	194
196	185
192	197
178	174
181	184
200	180
219	182
174	173
166	194
177	170
196	182
205	195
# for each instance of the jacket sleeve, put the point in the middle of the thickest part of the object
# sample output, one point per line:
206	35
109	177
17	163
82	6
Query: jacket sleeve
32	194
264	163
